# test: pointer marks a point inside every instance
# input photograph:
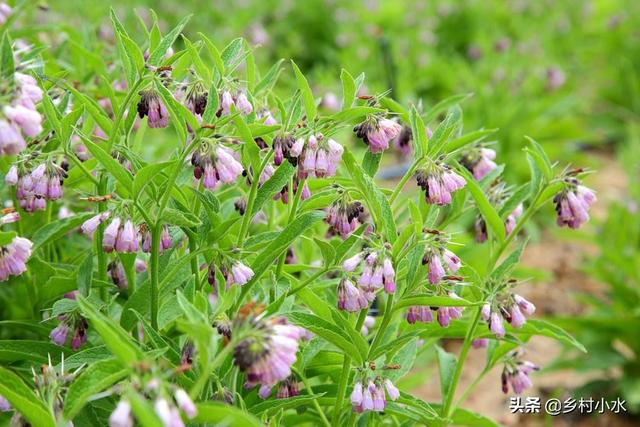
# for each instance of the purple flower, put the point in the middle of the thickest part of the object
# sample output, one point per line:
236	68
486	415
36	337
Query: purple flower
121	416
436	271
350	264
517	318
127	239
5	406
480	343
350	297
496	325
59	334
357	396
573	204
11	140
111	235
392	390
452	261
12	175
241	273
29	120
438	183
13	257
377	133
527	307
185	403
243	105
151	105
388	276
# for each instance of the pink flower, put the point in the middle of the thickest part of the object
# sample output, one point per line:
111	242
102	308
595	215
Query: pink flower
29	120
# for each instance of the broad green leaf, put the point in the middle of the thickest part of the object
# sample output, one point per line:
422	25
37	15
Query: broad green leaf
145	175
6	237
376	201
198	63
328	332
92	380
350	114
273	406
112	166
180	218
221	414
444	105
326	249
541	158
371	162
397	108
277	247
155	58
28	350
24	399
349	89
231	52
215	54
7	66
97	113
269	79
116	338
491	217
448	127
56	229
468	138
544	328
250	150
446	366
419	133
307	95
213	102
505	268
355	337
273	185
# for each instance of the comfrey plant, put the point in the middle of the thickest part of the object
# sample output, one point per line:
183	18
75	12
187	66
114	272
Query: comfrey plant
221	254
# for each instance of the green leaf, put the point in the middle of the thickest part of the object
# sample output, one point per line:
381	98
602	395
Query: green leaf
155	58
145	175
215	54
307	95
94	379
269	79
355	337
349	89
56	229
6	237
371	162
328	332
221	414
250	150
29	350
447	367
443	132
376	201
277	247
97	113
180	218
213	102
544	328
7	66
326	249
353	113
112	166
198	63
116	338
273	185
477	135
26	402
418	132
271	406
541	159
231	51
444	105
491	217
396	107
518	196
505	268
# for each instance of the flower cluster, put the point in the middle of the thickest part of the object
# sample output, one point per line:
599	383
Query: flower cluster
444	315
196	99
268	351
402	143
315	156
371	396
376	132
151	105
479	161
516	373
71	321
215	166
438	182
239	101
288	388
434	257
165	238
343	217
13	257
19	118
121	236
573	204
34	188
234	273
508	306
166	408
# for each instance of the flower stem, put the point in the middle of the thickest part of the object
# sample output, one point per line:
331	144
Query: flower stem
316	405
388	311
102	258
248	214
154	267
344	377
292	215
